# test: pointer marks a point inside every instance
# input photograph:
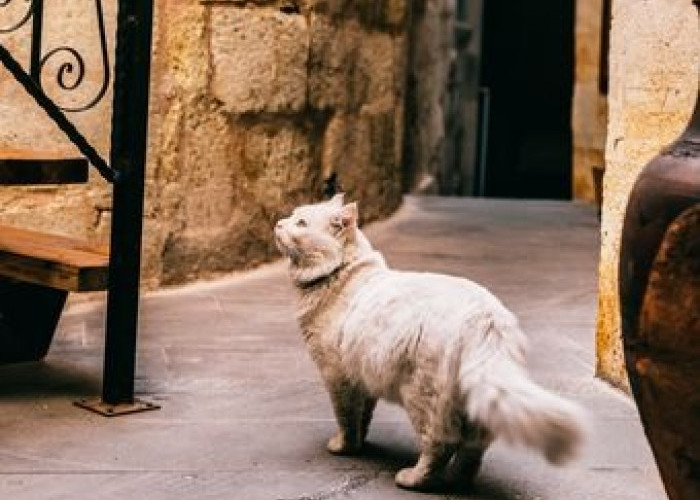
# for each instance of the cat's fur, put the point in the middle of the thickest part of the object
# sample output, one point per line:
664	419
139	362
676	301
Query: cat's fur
442	347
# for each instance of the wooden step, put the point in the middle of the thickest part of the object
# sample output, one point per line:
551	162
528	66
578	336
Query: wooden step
55	261
22	167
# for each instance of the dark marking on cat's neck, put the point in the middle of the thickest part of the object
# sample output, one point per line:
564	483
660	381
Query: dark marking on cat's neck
321	280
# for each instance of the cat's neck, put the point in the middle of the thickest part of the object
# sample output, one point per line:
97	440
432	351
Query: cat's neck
340	275
360	260
358	251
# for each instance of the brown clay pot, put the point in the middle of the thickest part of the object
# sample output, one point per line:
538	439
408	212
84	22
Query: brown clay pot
660	303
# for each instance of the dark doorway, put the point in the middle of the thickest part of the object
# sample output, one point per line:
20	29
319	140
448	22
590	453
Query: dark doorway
528	69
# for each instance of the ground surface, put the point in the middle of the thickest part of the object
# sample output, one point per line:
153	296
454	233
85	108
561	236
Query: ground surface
244	414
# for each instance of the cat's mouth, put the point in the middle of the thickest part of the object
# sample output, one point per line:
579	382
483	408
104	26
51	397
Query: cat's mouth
285	245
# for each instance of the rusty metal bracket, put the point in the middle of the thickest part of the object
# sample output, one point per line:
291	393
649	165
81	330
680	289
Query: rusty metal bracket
116	410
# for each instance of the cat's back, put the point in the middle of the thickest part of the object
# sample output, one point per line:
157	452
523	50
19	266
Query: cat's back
396	297
398	320
407	287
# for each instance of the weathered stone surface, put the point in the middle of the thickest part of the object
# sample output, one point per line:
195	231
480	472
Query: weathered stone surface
429	72
382	14
235	194
354	142
351	67
253	105
654	67
334	79
589	118
259	59
377	60
382	136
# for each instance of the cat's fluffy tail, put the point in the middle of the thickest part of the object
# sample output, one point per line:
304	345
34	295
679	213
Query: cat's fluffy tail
501	397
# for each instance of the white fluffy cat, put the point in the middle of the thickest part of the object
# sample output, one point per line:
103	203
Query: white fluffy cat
442	347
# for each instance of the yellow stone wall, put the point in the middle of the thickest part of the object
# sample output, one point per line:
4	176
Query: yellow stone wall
253	105
653	86
589	120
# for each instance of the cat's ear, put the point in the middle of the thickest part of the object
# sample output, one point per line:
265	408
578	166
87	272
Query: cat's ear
346	216
337	200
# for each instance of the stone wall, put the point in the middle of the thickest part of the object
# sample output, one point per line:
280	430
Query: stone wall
590	106
253	106
653	86
431	52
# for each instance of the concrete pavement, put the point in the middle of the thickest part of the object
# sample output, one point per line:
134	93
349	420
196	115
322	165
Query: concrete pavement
245	416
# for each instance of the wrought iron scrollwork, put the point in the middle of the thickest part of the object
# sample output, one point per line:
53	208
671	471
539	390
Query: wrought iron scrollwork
70	75
67	69
22	21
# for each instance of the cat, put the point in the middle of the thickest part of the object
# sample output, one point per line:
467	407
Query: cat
442	347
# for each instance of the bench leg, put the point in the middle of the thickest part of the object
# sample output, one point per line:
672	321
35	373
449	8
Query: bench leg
28	318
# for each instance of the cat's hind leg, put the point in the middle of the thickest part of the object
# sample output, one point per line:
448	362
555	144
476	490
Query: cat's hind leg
438	428
467	459
428	473
367	412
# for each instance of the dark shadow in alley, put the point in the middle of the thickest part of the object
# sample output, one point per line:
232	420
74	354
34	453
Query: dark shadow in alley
32	380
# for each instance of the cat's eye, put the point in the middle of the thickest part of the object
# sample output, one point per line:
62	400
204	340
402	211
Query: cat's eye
301	223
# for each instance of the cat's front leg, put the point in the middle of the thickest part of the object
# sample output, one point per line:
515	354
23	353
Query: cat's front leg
349	406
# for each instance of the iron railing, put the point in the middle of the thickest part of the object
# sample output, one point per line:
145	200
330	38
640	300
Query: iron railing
125	169
70	75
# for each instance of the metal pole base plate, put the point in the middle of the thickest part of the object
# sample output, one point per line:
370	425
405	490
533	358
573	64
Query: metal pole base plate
115	410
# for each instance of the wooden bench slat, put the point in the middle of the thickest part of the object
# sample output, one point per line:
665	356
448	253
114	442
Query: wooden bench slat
20	167
51	260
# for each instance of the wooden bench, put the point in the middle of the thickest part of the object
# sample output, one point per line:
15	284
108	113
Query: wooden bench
37	270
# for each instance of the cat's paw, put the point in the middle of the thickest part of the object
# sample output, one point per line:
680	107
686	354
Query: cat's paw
413	478
341	445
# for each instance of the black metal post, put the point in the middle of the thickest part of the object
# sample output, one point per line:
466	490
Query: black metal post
37	27
128	157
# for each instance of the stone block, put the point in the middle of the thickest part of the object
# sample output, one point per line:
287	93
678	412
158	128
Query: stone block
334	78
259	59
395	12
229	199
382	14
382	137
350	67
277	162
377	60
360	150
343	146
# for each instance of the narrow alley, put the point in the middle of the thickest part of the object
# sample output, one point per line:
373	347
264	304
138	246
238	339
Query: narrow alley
244	415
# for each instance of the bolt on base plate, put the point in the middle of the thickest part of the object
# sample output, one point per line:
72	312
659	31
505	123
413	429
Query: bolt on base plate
115	410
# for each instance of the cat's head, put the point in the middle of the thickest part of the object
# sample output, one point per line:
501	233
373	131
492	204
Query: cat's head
316	238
